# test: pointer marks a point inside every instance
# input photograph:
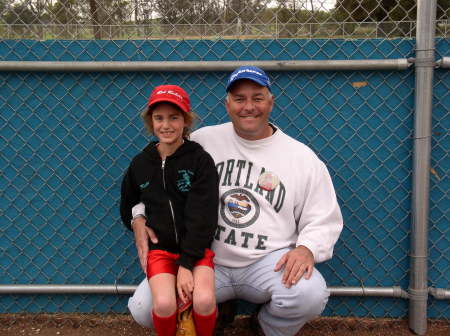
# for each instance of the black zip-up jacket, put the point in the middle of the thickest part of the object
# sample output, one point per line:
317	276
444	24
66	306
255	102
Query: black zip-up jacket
181	199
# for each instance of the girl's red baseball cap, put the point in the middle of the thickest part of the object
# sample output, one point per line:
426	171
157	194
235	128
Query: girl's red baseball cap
170	94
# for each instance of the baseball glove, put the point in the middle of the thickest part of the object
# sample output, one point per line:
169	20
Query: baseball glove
185	321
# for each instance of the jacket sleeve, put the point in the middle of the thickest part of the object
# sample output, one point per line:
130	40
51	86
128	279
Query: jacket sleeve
200	213
129	196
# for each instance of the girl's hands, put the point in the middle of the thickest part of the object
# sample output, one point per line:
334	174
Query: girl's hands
185	284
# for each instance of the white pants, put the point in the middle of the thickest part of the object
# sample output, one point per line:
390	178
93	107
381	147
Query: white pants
285	310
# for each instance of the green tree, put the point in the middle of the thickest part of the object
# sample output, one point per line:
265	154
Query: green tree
300	17
65	11
64	14
26	12
27	18
94	11
2	7
188	11
115	12
243	11
107	15
382	10
443	9
395	17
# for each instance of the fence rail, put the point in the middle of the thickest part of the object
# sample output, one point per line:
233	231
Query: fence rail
310	65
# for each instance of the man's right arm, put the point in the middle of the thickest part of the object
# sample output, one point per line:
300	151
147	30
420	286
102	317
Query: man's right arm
138	210
139	219
141	233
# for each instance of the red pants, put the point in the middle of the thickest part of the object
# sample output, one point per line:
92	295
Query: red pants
160	261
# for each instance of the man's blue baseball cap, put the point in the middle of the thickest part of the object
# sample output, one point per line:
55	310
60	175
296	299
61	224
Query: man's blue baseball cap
249	72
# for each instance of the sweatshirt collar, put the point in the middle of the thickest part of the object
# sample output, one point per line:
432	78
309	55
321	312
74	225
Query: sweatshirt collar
260	142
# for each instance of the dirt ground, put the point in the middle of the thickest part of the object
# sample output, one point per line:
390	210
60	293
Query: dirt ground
123	325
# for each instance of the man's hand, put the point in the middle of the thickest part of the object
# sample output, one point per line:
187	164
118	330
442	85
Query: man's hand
185	284
141	235
297	263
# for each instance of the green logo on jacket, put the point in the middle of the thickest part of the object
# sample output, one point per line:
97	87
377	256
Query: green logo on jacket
144	185
184	181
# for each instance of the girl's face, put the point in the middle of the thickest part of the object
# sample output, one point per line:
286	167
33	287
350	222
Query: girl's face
168	124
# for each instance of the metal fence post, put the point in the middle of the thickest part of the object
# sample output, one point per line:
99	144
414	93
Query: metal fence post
424	66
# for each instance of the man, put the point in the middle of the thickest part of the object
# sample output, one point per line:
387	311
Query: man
278	213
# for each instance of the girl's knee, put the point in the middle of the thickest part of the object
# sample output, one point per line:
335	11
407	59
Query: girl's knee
164	306
204	303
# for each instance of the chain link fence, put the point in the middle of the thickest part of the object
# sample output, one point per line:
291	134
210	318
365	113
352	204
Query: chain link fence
66	138
158	19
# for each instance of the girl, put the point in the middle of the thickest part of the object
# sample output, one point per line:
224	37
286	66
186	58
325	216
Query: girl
177	182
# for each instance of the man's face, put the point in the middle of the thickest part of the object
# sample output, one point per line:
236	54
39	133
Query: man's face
249	105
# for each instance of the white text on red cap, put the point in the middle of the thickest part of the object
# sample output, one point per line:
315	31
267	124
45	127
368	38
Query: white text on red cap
170	92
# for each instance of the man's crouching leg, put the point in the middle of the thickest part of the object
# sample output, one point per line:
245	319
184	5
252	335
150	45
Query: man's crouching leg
290	308
140	305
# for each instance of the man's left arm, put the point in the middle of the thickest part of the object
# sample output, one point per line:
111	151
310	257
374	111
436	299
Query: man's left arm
319	225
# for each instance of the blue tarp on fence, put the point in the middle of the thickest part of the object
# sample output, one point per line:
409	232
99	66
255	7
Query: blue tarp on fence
67	138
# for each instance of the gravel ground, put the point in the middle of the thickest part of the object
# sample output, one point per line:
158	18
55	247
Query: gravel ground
123	325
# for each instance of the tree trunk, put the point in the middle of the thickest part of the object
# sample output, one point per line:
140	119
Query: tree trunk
136	11
95	22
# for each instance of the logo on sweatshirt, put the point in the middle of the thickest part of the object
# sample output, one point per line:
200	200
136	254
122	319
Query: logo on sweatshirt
184	180
244	194
239	208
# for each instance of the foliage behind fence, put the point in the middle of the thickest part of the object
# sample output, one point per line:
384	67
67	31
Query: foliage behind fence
137	19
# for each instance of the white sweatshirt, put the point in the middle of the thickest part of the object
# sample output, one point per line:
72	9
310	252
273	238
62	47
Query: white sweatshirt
301	210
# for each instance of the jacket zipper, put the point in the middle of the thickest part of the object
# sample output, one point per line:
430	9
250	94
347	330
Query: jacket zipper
170	202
